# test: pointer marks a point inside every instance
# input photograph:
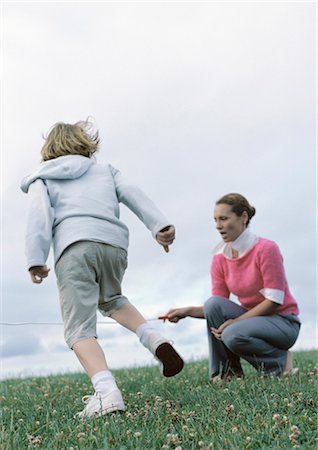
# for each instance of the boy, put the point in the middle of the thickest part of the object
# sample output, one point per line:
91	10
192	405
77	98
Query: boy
74	204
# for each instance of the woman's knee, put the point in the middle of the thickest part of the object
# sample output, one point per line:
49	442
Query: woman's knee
212	304
233	338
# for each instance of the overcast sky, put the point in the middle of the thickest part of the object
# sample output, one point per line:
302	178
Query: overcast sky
193	101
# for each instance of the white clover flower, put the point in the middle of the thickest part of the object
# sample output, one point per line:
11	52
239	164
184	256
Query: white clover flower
295	430
229	409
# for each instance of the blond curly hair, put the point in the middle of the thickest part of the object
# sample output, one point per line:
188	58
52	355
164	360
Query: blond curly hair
70	139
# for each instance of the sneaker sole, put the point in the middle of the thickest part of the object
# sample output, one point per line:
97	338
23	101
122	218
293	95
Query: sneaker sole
105	411
171	360
112	409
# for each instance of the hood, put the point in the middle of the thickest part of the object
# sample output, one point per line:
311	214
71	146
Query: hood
66	167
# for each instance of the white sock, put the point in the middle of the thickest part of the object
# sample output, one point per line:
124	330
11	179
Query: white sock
104	383
143	328
149	337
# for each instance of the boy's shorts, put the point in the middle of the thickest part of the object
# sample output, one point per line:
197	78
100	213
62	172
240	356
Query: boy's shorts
89	276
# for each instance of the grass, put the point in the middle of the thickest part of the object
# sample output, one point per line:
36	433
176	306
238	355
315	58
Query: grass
185	412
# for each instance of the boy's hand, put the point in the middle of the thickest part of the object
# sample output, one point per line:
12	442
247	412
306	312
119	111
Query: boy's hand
37	273
166	236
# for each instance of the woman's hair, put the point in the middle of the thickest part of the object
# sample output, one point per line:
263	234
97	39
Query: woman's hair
238	204
68	139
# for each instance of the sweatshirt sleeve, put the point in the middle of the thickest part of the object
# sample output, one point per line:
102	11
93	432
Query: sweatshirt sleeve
39	224
273	273
138	202
219	286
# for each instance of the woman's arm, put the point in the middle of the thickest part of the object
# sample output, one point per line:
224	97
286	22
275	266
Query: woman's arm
265	308
175	314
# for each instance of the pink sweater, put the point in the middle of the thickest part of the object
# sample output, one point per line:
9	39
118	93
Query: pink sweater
261	267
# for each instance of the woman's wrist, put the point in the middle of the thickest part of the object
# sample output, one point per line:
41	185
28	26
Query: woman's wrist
195	311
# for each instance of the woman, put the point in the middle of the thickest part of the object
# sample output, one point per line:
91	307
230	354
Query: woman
265	324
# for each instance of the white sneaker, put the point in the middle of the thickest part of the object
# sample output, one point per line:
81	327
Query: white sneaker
97	405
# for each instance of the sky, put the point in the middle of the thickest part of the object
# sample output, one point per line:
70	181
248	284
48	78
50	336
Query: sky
192	100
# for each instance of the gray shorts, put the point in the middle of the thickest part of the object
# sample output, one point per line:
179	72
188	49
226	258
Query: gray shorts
89	276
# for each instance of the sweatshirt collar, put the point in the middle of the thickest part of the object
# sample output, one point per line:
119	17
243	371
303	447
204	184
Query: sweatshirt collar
242	244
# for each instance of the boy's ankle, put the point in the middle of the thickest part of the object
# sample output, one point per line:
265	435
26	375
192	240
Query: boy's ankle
104	383
144	328
150	338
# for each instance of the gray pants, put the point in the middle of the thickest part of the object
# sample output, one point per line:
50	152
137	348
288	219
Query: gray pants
263	341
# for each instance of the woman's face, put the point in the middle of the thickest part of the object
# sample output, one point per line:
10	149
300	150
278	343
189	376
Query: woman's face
228	224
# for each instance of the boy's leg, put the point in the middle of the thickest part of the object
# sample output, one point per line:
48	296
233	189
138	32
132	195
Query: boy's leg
91	356
128	316
107	396
79	291
112	263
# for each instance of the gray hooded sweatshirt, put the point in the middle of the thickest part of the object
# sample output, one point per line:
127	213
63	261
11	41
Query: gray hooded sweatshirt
72	198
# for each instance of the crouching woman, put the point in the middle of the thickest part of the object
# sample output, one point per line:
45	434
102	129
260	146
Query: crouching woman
265	324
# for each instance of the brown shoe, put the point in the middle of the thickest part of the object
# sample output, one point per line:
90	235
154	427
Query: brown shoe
171	361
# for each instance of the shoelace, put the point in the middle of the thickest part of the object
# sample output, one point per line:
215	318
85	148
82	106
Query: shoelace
87	398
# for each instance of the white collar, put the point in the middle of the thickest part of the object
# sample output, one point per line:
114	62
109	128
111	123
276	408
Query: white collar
242	244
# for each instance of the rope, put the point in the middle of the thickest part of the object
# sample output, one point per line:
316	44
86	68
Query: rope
18	324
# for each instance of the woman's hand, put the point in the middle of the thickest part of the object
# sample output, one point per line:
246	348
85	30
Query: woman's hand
217	332
37	273
176	314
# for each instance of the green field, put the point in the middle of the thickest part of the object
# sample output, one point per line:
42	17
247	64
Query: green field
185	412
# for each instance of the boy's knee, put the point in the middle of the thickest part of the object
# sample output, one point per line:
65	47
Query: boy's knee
211	305
107	308
71	342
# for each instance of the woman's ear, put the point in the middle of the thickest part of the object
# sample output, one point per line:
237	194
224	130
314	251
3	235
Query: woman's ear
244	217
